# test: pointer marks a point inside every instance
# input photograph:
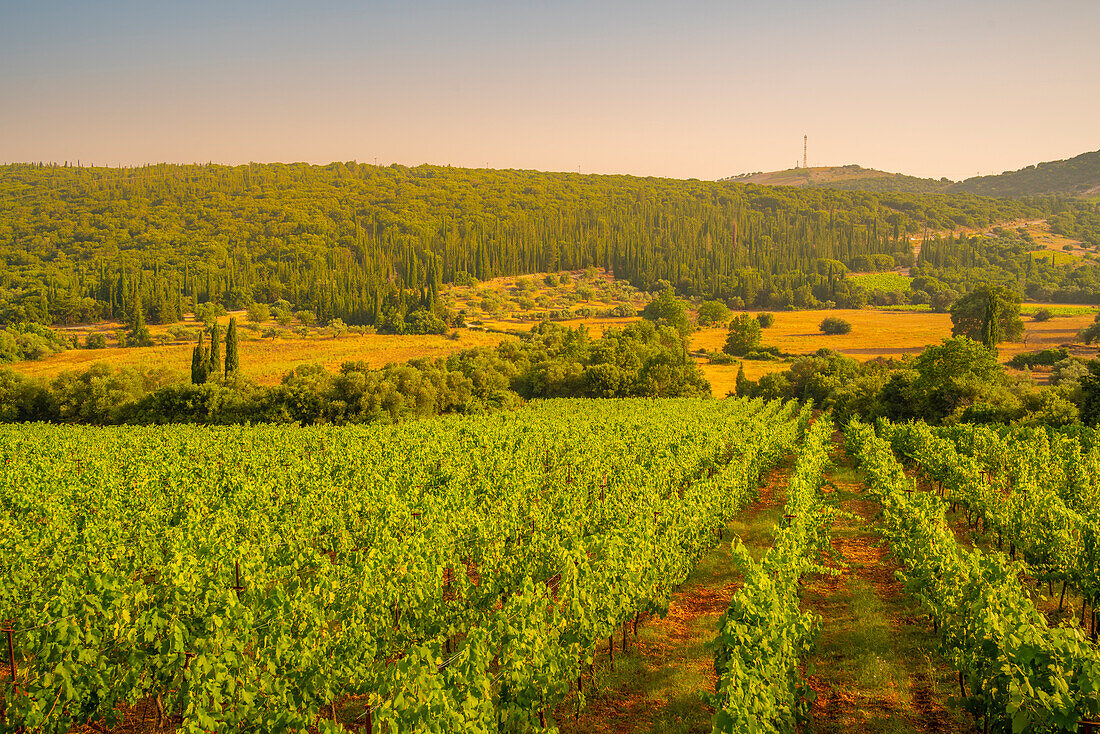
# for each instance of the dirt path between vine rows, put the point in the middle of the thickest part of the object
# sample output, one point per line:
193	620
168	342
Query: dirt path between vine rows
660	683
876	667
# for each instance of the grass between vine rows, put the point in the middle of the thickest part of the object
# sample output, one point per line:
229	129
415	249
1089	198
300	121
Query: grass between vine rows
876	667
659	684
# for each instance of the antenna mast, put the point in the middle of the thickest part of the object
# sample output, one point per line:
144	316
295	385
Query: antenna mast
805	139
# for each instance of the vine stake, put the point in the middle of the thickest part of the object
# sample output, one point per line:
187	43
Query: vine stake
237	577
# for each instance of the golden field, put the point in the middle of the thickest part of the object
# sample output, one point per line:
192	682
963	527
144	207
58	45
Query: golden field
875	333
265	361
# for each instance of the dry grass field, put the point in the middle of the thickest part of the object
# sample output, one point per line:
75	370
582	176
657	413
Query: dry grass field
265	361
875	333
1052	247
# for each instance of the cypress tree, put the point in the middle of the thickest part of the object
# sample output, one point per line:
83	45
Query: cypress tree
139	332
214	359
743	384
199	363
232	361
991	326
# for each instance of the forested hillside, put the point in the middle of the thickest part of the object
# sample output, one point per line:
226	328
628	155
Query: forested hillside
1077	176
372	245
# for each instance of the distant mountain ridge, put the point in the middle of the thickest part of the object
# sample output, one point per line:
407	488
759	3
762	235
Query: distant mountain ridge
1077	176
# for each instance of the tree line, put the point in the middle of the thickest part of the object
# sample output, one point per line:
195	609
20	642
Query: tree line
644	359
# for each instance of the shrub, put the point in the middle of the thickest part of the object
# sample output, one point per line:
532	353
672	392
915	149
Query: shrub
1043	357
258	312
833	325
766	319
181	333
96	341
422	321
1043	314
1069	370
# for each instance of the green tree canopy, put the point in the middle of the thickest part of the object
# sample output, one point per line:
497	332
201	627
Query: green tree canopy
743	336
668	309
713	313
954	376
968	314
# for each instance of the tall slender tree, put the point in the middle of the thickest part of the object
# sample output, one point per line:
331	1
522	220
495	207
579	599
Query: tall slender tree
991	325
199	363
232	360
138	335
214	359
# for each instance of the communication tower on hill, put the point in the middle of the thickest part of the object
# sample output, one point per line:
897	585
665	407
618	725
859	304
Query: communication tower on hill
805	140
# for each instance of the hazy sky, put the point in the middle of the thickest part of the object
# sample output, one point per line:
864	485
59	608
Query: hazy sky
682	89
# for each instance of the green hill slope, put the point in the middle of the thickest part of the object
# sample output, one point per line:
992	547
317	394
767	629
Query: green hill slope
373	245
1077	176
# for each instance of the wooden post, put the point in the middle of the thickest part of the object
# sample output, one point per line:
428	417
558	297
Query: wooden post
237	576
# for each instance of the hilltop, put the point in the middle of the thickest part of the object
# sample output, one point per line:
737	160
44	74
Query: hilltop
1078	176
851	177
